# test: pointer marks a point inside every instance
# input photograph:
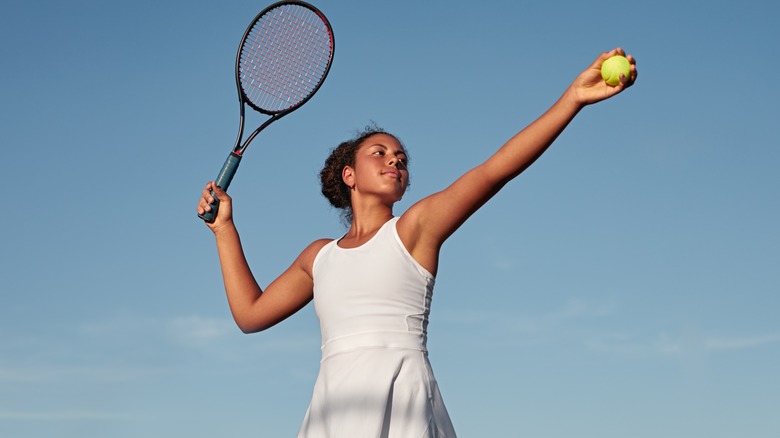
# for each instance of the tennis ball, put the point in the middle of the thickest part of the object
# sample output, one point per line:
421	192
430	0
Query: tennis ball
612	68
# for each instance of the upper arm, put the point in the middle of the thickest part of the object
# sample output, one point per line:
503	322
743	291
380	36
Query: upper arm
440	214
290	292
432	220
428	223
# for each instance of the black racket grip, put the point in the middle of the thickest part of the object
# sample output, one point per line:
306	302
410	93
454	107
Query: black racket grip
223	182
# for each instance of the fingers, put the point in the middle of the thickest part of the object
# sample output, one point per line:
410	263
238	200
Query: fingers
634	71
221	194
600	60
204	201
627	82
209	195
606	55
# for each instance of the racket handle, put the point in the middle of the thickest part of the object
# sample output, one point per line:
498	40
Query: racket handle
223	182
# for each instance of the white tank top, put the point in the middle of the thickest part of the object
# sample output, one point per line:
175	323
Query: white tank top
372	295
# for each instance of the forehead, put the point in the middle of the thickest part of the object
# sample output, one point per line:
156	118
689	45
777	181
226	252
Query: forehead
382	139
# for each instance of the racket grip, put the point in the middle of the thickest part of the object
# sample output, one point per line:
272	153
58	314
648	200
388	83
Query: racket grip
223	182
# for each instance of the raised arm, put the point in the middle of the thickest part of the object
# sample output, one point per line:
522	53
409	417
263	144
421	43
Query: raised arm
427	224
254	309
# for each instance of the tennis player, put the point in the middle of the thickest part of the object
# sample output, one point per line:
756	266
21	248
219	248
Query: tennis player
372	287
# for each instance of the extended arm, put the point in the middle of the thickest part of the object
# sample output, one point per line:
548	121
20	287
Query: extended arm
427	224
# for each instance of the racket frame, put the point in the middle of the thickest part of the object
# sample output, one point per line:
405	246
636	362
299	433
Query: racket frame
230	166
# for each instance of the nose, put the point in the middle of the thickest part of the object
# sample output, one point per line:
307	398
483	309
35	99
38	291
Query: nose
397	162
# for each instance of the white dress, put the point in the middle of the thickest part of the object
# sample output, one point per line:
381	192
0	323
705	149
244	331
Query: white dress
375	379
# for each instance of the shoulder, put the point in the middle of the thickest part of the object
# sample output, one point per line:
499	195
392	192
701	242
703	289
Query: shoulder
311	251
306	259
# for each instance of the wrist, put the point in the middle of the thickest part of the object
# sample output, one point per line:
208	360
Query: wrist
225	229
572	98
570	102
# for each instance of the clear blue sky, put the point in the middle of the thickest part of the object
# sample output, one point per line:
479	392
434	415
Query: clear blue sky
628	284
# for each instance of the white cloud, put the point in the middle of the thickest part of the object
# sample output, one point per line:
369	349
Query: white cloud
63	416
738	343
119	349
50	372
574	320
687	343
190	331
197	331
571	310
579	309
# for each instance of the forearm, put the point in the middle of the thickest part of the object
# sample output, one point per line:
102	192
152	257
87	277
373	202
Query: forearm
528	145
436	217
443	212
240	285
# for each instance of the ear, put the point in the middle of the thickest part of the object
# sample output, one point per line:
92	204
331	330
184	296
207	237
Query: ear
348	176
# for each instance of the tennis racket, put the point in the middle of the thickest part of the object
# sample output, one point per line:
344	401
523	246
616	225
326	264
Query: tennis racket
283	58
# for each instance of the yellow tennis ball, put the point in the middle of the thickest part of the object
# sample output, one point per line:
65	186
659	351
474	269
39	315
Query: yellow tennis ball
612	68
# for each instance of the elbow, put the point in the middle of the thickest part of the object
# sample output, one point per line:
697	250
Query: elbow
249	327
247	330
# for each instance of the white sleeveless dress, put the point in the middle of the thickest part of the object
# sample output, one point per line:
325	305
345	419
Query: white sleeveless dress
375	379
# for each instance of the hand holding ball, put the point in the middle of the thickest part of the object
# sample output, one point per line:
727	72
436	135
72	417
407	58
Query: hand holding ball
612	68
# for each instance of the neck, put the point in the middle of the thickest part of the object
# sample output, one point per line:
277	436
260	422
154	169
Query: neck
368	222
363	228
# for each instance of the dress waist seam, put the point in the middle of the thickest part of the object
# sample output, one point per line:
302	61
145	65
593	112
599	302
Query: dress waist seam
371	340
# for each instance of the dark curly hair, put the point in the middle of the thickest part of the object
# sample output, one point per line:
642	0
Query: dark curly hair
333	187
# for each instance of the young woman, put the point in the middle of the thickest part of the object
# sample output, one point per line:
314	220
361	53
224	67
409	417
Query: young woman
372	287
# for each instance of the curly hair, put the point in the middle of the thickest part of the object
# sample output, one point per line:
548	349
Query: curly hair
333	187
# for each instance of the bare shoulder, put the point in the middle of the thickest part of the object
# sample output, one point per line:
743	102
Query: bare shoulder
317	245
306	260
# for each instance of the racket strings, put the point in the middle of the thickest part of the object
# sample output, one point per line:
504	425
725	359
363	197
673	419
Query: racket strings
285	57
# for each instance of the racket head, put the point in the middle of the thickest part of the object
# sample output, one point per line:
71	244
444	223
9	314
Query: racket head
284	57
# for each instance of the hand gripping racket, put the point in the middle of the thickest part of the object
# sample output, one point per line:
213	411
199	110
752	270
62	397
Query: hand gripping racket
283	58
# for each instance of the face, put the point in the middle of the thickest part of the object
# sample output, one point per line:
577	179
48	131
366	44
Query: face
380	168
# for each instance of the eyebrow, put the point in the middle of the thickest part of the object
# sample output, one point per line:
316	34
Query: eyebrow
401	150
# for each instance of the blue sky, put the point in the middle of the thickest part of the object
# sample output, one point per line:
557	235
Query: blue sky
625	285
